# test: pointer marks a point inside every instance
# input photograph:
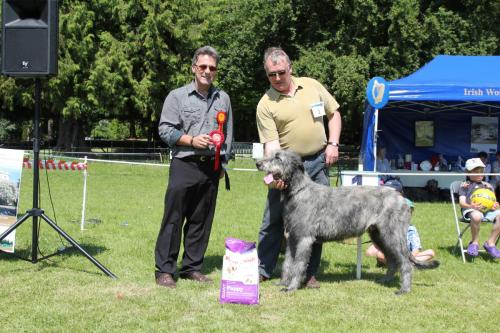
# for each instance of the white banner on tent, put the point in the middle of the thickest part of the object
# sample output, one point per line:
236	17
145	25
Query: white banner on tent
11	166
484	134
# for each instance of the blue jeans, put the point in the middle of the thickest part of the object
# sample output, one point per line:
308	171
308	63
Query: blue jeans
272	229
413	239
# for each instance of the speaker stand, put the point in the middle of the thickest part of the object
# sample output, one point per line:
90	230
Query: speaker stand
36	212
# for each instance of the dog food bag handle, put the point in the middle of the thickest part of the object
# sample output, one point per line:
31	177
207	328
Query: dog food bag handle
238	245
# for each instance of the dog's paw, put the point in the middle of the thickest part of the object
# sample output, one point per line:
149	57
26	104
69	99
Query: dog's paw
401	292
288	289
281	283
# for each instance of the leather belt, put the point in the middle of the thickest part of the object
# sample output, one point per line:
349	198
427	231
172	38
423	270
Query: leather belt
199	158
313	156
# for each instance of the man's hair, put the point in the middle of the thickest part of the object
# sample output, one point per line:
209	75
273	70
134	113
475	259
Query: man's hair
205	50
482	154
275	54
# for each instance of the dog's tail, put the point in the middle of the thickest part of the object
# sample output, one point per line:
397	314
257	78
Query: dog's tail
424	264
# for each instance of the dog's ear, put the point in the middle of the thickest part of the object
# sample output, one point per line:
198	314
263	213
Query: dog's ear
299	165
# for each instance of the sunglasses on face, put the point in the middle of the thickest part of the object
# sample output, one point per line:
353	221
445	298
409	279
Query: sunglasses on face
273	75
203	68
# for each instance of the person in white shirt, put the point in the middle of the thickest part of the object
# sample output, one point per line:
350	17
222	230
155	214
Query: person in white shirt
495	168
383	164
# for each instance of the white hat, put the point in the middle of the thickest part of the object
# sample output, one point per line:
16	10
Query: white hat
426	165
473	163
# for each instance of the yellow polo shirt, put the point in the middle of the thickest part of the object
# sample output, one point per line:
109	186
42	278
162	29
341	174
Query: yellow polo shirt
290	118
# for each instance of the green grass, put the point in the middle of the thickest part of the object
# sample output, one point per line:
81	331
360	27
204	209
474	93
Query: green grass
68	293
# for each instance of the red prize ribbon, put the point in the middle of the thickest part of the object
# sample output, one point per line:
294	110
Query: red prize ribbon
218	137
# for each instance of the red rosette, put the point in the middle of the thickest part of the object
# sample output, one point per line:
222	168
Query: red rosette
217	139
221	118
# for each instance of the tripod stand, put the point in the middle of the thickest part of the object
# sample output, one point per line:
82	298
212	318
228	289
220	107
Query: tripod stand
36	212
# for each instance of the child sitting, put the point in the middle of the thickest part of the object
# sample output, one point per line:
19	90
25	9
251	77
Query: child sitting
472	212
413	239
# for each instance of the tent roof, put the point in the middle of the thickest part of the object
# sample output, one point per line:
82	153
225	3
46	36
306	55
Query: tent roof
458	85
451	78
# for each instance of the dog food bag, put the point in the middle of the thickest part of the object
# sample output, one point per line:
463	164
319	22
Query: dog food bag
240	273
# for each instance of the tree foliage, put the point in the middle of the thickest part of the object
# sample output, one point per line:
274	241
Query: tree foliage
119	58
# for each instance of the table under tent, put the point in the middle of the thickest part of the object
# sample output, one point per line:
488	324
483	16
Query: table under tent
449	107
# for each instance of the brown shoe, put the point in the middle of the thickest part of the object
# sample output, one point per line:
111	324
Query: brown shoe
165	280
196	276
312	283
263	278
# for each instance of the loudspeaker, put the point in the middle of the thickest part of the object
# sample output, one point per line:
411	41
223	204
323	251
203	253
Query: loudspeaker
29	37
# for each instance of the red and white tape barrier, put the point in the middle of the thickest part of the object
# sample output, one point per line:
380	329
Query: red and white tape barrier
56	165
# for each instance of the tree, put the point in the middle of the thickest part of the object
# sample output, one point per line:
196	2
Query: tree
241	31
118	59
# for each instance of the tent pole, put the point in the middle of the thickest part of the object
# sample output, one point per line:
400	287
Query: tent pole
375	138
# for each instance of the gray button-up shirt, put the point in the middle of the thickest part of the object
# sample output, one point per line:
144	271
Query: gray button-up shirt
185	111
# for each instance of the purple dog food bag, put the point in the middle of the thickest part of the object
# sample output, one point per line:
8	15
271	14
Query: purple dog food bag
240	273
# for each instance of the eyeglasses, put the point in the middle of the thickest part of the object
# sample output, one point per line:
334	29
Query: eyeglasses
274	75
203	68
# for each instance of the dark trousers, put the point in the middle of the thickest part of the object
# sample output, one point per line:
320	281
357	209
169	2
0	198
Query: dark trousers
272	228
190	201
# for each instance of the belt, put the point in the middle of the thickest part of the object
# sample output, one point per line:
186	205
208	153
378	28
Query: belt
199	158
313	156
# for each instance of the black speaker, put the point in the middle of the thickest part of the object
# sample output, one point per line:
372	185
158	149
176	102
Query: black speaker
29	37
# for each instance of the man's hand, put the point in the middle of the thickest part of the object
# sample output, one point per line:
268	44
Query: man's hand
202	141
331	155
278	185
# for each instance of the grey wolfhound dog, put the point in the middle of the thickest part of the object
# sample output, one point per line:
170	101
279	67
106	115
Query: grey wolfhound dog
314	212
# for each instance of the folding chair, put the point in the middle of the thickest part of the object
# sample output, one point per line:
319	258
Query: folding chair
454	187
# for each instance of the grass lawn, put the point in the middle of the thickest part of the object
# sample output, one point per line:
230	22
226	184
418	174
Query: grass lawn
124	207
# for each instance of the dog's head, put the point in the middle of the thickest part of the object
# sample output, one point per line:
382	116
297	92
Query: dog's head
432	186
281	165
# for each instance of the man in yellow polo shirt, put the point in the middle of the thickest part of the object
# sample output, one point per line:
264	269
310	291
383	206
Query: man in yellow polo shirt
290	116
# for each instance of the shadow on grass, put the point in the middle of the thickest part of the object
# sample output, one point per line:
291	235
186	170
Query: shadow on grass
349	274
212	263
46	259
455	252
67	251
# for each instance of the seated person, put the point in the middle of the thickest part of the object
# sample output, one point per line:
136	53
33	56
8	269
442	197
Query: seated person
413	239
495	168
383	165
472	212
487	166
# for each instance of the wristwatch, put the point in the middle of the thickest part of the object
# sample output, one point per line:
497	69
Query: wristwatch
335	144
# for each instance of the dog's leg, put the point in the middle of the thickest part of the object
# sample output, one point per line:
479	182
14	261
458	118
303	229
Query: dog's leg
406	269
397	257
299	263
376	238
406	272
291	249
380	238
392	268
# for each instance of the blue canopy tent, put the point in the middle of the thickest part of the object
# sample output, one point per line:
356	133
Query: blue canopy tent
447	92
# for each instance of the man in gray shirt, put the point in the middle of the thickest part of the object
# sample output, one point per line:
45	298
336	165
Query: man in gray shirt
196	123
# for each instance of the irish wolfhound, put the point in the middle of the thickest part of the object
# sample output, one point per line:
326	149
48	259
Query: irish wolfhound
314	212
